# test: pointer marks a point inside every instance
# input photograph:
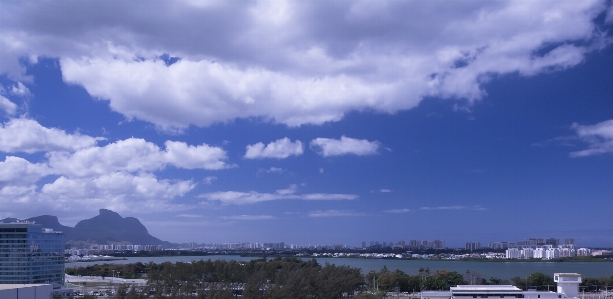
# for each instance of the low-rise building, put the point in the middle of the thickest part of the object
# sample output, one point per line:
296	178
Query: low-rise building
568	287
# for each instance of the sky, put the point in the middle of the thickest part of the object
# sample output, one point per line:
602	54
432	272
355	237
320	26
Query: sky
312	122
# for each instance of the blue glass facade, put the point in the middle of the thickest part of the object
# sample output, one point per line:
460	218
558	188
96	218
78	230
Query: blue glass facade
31	254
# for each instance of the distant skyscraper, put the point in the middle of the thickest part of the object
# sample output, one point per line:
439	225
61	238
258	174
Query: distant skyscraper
439	244
471	246
552	241
569	241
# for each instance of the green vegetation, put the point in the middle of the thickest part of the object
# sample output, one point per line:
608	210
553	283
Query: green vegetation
277	278
136	270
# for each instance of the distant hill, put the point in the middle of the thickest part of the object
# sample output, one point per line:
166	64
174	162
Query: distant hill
107	227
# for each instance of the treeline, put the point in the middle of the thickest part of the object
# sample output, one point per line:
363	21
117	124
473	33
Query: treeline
277	278
134	270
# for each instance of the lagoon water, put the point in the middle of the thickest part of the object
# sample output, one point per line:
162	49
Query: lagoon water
502	270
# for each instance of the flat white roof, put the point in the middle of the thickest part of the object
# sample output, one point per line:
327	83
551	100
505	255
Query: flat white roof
20	286
485	288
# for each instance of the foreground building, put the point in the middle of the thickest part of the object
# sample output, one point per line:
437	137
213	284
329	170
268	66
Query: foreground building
30	254
27	291
568	287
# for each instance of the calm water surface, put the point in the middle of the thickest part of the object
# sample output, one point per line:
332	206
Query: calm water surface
502	270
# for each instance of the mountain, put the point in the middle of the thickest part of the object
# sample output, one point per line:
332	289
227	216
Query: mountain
110	226
48	221
107	227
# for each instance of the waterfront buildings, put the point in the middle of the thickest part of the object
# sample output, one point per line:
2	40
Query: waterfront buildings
546	252
31	254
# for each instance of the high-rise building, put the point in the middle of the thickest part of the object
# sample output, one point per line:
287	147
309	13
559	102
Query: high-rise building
31	254
439	244
552	241
473	246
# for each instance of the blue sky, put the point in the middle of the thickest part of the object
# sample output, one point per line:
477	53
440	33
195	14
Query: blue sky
312	122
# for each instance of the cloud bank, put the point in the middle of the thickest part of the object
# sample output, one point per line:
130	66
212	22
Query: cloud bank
292	62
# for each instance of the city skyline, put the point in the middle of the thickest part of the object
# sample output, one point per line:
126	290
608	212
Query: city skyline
312	122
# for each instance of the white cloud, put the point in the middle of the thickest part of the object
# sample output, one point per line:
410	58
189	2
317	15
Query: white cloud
135	154
333	213
441	208
599	138
248	217
209	180
279	149
609	18
118	176
9	107
324	60
336	147
385	190
202	156
19	171
26	135
291	190
20	90
397	211
118	191
239	198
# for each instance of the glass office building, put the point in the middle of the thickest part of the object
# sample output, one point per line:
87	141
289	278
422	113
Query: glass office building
31	254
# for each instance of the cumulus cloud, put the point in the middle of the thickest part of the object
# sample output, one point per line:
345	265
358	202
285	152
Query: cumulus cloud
119	191
279	149
333	213
202	156
599	138
135	154
239	198
336	147
118	176
26	135
443	208
7	106
17	170
324	60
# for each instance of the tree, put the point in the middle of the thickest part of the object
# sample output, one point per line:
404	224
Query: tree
433	283
56	295
539	280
